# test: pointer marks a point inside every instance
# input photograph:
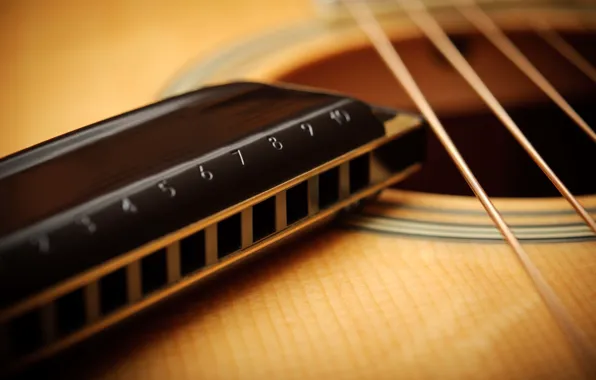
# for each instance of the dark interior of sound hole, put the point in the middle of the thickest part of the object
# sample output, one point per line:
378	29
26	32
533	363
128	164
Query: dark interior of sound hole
501	165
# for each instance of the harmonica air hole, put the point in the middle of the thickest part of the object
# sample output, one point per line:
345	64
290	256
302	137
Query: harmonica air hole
328	187
154	274
25	333
70	312
192	253
359	173
297	202
263	216
112	291
4	348
229	235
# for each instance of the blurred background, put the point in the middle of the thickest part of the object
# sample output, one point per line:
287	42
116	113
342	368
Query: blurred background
69	63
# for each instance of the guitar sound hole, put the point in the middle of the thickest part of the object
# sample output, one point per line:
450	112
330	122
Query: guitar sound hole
501	165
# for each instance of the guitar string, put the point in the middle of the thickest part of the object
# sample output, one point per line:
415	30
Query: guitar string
416	11
477	17
558	43
367	22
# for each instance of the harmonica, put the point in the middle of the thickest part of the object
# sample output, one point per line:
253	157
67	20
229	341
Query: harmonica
106	221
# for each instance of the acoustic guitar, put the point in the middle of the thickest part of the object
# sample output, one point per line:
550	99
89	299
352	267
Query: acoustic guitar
449	146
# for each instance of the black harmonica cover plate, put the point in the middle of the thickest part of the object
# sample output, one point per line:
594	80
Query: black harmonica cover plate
83	198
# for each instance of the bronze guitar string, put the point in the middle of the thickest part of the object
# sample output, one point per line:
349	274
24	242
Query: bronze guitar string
475	15
558	43
417	12
368	23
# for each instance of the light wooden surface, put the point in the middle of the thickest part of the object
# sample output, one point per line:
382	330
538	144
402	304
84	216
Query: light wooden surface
348	304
